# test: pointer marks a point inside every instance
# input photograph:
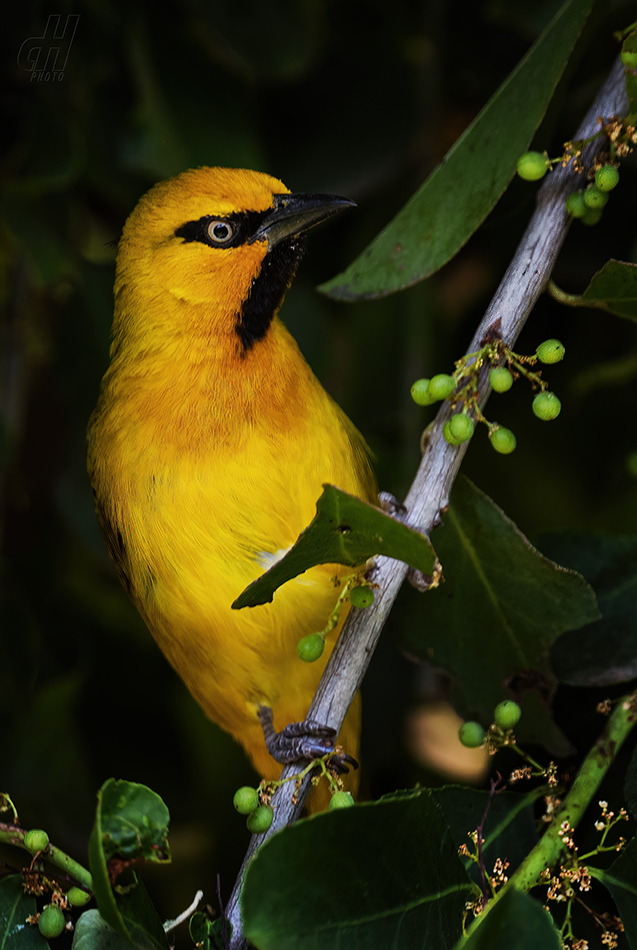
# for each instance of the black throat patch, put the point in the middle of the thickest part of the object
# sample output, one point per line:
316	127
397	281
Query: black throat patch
268	288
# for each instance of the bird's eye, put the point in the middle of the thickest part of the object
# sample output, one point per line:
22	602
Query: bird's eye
220	232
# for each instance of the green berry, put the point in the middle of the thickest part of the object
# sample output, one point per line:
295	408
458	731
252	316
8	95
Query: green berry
36	840
420	393
532	165
500	379
576	205
607	178
361	597
341	800
448	435
551	351
310	648
246	799
471	734
546	406
629	59
461	426
507	714
592	216
51	921
77	897
503	440
594	198
260	820
441	386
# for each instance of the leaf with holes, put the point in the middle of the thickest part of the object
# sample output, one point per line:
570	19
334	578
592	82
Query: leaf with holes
345	530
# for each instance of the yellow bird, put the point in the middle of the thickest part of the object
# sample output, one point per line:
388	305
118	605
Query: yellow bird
209	445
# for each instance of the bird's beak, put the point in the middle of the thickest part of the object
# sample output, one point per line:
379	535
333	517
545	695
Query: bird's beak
293	214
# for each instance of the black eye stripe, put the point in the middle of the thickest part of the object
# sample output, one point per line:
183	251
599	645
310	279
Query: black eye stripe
277	270
243	226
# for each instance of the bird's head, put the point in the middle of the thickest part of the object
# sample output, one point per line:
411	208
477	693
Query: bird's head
219	242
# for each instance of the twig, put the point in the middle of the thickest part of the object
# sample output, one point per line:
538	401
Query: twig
428	496
493	790
185	914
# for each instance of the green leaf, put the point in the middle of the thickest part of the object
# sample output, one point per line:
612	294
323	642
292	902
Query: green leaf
15	907
516	921
613	288
131	824
459	194
621	881
134	822
345	530
492	622
93	933
141	918
383	874
605	651
101	883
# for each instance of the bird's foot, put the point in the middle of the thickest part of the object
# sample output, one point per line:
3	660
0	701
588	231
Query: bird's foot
391	506
302	740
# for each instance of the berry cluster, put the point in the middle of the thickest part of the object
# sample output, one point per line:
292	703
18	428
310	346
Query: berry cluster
461	389
254	802
258	815
500	735
51	921
506	715
587	203
310	647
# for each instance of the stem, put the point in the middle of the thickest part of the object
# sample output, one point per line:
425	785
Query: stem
493	789
573	300
549	848
10	834
523	282
589	778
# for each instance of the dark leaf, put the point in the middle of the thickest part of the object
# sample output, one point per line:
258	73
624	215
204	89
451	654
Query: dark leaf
15	907
517	921
605	651
621	881
613	288
492	622
509	831
374	876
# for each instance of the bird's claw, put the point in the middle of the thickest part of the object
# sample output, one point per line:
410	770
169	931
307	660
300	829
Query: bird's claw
303	740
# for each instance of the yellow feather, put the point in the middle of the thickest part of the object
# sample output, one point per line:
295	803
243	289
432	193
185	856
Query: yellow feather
207	458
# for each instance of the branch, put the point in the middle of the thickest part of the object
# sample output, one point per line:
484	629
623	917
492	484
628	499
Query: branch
428	496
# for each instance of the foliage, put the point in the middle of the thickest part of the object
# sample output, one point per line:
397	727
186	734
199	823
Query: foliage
542	617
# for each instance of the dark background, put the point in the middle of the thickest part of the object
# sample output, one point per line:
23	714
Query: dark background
354	98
